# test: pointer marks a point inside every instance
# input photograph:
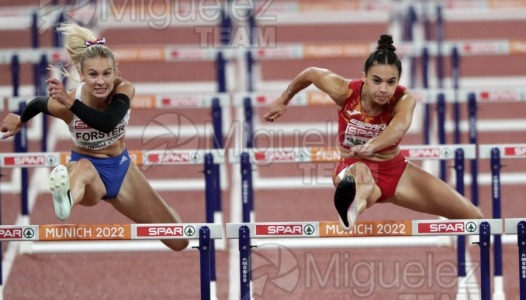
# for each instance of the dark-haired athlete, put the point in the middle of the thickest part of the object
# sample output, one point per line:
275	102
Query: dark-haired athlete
374	113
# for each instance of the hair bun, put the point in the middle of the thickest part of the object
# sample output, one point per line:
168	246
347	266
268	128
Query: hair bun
386	42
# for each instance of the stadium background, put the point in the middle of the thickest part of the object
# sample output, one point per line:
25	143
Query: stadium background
166	275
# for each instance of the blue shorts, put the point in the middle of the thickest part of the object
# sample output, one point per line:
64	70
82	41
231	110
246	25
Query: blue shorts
111	170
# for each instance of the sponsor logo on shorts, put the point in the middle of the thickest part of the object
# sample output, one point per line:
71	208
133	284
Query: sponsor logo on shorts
123	160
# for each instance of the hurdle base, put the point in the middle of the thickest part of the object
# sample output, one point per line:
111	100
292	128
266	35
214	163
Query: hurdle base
468	288
498	291
213	290
462	293
25	248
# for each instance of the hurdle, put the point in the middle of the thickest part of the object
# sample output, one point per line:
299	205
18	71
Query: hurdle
249	234
248	102
494	153
170	157
205	233
208	158
518	226
253	156
215	103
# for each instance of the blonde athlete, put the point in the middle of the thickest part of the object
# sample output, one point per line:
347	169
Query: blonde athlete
374	113
97	114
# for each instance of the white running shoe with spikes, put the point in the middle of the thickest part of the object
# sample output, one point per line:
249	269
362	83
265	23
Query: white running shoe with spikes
60	191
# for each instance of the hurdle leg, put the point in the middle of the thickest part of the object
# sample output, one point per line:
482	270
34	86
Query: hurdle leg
521	242
498	293
461	271
204	250
485	275
244	262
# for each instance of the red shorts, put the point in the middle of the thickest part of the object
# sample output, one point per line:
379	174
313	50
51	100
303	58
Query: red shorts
386	174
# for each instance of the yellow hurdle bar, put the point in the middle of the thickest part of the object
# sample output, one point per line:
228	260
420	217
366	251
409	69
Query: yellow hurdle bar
330	229
105	232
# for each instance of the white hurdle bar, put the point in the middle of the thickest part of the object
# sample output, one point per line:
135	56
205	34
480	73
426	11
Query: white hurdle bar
205	233
313	155
144	158
505	151
407	231
494	153
288	233
262	157
163	101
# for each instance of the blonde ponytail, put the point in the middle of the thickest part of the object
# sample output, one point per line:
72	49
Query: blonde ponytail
81	43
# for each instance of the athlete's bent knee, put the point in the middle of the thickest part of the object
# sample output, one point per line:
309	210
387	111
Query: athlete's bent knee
86	169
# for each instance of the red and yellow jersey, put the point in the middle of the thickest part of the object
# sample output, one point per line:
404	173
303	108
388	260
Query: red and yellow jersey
355	127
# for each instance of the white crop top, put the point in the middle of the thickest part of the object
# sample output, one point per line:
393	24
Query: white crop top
88	138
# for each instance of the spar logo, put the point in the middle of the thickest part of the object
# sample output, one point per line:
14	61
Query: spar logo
189	230
17	233
10	233
172	158
430	152
161	231
30	160
441	227
471	227
515	151
181	102
280	155
285	229
505	95
166	132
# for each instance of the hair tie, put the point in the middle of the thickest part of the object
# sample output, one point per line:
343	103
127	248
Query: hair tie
99	41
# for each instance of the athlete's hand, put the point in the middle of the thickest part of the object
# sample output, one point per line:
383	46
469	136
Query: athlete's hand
11	125
58	92
275	109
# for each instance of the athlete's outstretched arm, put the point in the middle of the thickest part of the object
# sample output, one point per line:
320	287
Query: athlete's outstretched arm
327	81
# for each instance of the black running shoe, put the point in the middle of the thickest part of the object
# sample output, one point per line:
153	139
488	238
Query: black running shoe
344	202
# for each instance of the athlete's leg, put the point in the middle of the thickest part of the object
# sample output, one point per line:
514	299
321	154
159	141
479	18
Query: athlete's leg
142	204
78	183
355	191
87	188
420	191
